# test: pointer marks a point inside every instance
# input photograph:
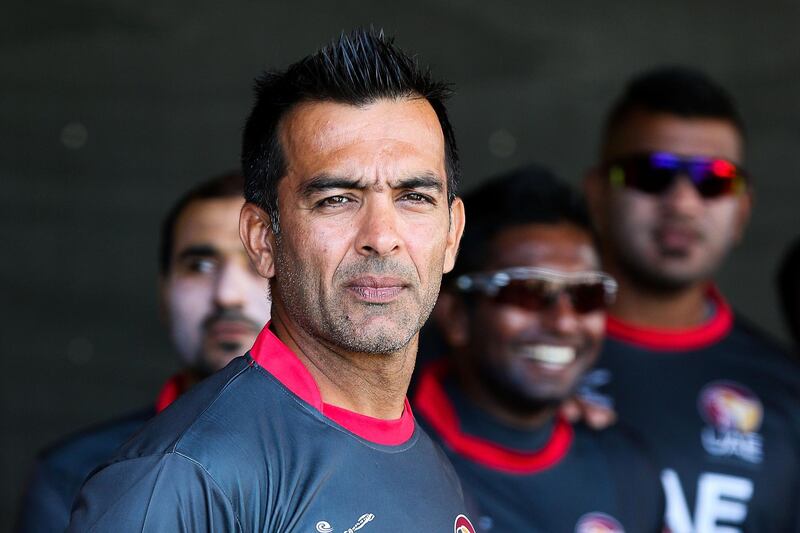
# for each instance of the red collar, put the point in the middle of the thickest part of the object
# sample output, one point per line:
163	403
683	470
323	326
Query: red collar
174	387
435	407
694	338
277	359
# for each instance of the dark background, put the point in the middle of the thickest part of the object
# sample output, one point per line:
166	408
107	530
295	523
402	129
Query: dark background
110	109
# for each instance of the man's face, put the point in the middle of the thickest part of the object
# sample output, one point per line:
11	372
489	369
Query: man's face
365	232
677	238
535	357
214	301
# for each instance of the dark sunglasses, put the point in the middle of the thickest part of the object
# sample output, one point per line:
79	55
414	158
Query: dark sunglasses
655	172
537	289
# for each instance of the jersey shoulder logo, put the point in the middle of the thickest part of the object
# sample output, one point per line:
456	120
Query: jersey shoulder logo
598	523
363	520
463	525
733	416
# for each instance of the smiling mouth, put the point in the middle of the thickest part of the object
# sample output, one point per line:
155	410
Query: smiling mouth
550	356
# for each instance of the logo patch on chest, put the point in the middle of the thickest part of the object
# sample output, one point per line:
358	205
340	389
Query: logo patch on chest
598	523
463	525
733	416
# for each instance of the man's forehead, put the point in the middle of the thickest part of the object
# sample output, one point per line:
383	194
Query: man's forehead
385	125
211	222
560	245
644	131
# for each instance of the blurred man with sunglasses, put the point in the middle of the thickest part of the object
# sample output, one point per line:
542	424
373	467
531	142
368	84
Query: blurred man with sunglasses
715	400
523	316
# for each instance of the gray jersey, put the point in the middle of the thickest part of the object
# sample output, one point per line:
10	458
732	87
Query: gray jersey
254	448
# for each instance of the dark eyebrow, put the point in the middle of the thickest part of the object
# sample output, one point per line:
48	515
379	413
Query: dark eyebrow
199	250
423	181
325	182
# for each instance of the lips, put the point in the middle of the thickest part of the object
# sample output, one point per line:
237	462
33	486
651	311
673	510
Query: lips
676	237
376	289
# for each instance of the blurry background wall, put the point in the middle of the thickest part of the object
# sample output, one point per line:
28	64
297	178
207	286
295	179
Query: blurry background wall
110	109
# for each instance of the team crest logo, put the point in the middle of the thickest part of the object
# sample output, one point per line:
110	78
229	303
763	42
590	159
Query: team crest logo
598	523
463	525
733	415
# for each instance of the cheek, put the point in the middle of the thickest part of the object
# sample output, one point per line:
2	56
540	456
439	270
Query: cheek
721	224
190	302
426	245
499	324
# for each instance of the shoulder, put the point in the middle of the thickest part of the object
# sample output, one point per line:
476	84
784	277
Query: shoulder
764	353
167	492
164	432
76	454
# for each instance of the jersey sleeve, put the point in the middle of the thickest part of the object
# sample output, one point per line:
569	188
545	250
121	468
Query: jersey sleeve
169	492
46	503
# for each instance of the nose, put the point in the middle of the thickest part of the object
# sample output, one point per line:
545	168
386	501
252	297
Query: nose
560	316
378	233
682	196
230	286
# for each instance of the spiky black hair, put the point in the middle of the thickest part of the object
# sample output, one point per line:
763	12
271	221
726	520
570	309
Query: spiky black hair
356	69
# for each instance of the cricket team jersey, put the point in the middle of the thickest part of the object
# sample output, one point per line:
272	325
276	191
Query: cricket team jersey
60	470
254	448
719	406
560	478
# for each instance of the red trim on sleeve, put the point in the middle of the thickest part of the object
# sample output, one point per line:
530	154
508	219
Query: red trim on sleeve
277	359
432	403
694	338
174	387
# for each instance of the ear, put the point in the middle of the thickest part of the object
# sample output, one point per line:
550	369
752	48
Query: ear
255	230
454	233
450	315
595	189
743	210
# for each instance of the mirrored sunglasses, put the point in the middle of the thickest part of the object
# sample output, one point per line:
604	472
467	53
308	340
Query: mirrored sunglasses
537	289
655	172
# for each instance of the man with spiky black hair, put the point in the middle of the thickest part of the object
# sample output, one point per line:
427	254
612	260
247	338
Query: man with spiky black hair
352	215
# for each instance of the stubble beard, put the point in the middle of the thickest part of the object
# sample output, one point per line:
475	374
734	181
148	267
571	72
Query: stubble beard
325	317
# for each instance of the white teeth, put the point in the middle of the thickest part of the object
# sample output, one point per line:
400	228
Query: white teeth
552	355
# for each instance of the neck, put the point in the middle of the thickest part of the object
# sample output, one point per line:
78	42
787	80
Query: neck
510	411
373	385
677	309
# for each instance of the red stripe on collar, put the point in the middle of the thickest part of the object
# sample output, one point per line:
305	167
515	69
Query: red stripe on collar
694	338
432	403
174	387
277	359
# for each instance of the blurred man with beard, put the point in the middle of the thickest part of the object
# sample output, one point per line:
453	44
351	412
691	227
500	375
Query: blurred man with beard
352	215
714	399
213	303
523	316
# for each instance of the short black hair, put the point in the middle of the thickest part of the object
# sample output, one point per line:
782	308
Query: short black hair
230	185
788	285
356	69
527	195
676	90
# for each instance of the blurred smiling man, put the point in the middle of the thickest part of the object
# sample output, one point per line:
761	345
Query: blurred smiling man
523	316
213	303
352	215
715	400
